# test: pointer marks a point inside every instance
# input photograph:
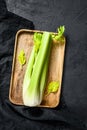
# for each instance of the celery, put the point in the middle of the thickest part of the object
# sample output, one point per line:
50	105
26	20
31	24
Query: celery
60	34
30	66
22	58
36	71
44	77
53	87
28	72
35	89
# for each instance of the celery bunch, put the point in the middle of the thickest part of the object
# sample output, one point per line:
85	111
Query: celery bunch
35	75
36	71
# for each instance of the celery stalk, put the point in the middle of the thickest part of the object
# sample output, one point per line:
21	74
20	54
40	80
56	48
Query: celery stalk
32	95
44	75
32	59
28	72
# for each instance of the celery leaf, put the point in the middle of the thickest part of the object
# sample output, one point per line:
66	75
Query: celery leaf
60	35
21	57
53	87
37	40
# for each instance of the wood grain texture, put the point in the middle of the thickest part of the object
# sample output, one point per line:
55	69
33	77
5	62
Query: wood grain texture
24	40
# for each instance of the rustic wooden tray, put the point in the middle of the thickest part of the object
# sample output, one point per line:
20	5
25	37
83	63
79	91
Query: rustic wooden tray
24	41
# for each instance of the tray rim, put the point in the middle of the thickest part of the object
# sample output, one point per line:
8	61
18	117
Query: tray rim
13	63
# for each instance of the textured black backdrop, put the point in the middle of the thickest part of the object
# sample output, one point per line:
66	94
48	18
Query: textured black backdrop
71	114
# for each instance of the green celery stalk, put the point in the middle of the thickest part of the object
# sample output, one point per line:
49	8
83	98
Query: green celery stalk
32	59
33	96
28	72
44	75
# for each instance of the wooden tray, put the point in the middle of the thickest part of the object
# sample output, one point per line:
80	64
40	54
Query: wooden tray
24	41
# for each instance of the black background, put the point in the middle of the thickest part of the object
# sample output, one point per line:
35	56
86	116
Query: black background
47	15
